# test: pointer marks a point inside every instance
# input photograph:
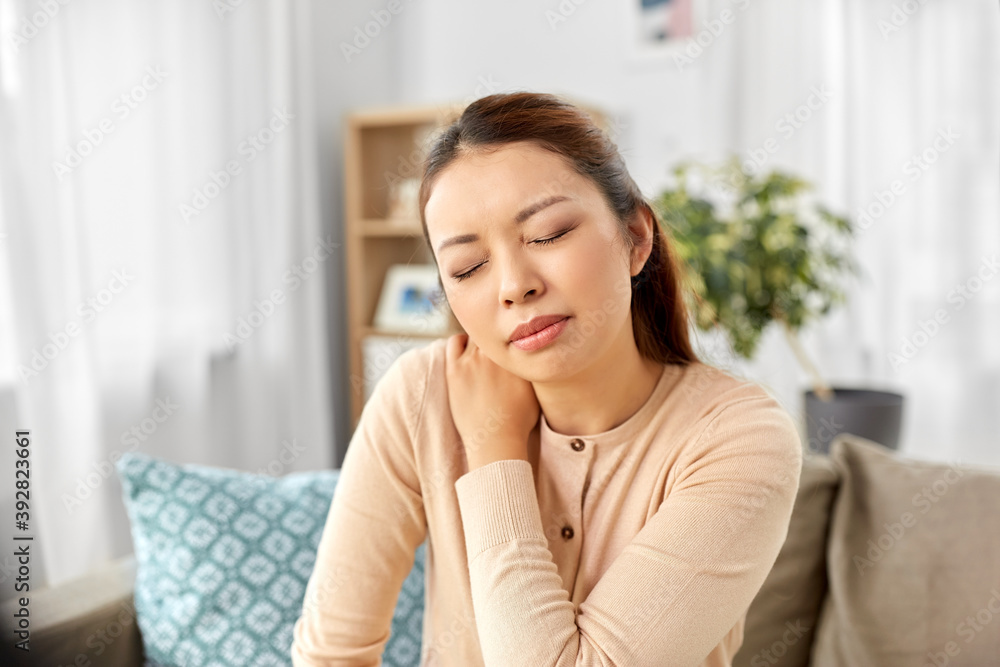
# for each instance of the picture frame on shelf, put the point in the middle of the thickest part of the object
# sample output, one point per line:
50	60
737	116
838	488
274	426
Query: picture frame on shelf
403	201
411	301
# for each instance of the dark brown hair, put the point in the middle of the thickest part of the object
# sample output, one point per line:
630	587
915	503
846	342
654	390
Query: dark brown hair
659	314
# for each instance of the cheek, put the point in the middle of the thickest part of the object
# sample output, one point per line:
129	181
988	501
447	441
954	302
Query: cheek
471	310
588	272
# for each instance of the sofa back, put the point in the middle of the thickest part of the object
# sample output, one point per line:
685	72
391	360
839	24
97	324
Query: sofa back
781	620
889	562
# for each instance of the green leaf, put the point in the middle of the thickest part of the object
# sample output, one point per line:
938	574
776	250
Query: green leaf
761	261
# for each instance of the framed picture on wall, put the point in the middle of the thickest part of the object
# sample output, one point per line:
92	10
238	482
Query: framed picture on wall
411	301
666	28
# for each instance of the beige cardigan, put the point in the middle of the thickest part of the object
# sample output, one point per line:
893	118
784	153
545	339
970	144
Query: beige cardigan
640	546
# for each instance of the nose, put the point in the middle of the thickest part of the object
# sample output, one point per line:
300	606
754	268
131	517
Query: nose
518	280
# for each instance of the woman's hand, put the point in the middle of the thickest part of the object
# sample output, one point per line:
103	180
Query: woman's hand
494	410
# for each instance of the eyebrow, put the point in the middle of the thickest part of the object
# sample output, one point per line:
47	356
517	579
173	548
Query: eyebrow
520	218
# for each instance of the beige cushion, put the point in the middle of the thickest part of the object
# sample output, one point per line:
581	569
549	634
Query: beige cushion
782	617
914	562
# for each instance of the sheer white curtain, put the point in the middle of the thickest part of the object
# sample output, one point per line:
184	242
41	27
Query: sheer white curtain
162	269
904	93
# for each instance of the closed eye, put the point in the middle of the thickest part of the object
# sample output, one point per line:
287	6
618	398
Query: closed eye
551	239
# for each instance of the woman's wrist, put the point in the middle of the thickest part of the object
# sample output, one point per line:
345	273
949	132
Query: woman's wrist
500	449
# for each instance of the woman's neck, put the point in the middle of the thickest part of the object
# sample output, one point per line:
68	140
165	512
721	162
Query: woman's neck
601	397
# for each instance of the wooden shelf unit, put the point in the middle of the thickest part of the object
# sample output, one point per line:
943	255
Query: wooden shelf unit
381	144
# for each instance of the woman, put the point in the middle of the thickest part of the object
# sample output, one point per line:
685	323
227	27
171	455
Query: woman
591	493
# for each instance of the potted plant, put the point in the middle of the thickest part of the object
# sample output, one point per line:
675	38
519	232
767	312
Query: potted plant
758	249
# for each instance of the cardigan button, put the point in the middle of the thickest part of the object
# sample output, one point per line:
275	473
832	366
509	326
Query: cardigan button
577	444
567	532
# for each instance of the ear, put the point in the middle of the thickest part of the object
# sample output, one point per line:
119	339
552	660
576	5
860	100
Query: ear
642	227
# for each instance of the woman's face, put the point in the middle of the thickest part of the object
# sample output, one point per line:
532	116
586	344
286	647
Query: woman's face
518	234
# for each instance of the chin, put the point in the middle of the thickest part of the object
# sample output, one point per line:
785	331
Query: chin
546	368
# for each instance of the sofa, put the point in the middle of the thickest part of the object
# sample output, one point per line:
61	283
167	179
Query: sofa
888	561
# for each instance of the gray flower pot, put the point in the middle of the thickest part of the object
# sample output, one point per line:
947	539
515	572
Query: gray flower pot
875	415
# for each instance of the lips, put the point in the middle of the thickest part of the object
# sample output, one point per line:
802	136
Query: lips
535	325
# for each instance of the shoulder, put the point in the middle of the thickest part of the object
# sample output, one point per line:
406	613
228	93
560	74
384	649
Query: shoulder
705	388
734	414
408	377
708	391
419	365
417	362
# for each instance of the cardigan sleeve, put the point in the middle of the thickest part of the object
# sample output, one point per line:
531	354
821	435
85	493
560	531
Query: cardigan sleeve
675	590
374	525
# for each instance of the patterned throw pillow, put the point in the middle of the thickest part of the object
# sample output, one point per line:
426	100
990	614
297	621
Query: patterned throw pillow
223	558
